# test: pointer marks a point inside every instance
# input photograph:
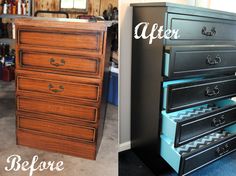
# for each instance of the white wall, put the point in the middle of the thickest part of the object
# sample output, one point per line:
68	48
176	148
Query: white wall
125	20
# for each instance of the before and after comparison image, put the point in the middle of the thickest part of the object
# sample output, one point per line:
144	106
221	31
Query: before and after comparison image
117	88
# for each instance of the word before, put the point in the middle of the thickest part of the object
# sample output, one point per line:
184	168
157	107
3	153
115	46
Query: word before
155	32
16	164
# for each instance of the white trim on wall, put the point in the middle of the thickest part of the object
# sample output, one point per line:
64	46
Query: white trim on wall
125	146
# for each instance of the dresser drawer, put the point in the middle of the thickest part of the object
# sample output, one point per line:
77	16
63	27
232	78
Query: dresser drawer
80	91
50	143
194	60
33	123
69	64
47	107
201	30
182	94
187	125
196	154
89	41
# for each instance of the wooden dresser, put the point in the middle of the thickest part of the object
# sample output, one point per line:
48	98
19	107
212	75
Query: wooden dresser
182	111
62	69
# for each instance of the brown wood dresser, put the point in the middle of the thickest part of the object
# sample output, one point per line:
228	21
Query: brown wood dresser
61	84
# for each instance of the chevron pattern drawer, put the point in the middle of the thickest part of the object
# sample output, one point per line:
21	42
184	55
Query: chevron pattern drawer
186	125
61	84
193	155
182	105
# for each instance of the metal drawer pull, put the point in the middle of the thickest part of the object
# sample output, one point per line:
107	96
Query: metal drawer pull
212	92
208	33
218	122
222	150
53	62
51	88
213	61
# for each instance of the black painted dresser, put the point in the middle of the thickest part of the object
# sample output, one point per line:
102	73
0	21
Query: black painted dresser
182	111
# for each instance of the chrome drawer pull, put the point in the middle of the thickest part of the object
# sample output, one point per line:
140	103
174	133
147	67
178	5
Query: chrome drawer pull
213	61
218	122
51	88
208	33
212	92
222	150
53	62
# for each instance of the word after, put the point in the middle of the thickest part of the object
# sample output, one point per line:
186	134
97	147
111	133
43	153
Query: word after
155	32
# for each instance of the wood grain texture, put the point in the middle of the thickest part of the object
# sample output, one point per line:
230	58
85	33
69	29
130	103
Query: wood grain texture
59	88
87	66
61	80
32	123
84	113
50	143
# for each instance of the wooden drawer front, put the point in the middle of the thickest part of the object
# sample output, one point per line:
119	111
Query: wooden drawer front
194	155
196	92
84	113
58	129
50	143
60	63
201	30
72	40
189	124
187	61
58	88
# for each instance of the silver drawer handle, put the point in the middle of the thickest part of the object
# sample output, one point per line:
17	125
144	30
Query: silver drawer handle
212	92
213	61
210	33
222	150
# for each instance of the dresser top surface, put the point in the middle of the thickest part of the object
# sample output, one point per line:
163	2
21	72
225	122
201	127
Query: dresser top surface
64	23
187	9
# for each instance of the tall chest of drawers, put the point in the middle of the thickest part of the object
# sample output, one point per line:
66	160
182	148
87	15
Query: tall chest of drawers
182	109
61	84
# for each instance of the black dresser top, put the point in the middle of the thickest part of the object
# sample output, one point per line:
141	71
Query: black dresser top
189	10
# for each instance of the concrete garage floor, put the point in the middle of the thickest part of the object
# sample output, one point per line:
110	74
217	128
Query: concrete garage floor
107	159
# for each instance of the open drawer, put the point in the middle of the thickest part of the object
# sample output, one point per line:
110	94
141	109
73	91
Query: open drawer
185	61
187	125
196	154
187	93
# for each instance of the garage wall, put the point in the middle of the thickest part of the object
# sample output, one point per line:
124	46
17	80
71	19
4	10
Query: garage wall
96	7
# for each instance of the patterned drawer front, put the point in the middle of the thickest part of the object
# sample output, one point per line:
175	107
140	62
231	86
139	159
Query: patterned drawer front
194	60
81	91
69	64
201	30
83	113
196	154
186	125
33	123
89	41
188	93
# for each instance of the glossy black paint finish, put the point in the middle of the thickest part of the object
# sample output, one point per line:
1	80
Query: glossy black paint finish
185	95
191	129
191	61
199	158
202	28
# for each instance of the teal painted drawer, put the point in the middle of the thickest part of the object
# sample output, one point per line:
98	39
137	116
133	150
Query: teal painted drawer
196	154
187	125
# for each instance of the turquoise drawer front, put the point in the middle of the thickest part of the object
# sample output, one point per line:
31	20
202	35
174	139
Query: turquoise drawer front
196	154
187	125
